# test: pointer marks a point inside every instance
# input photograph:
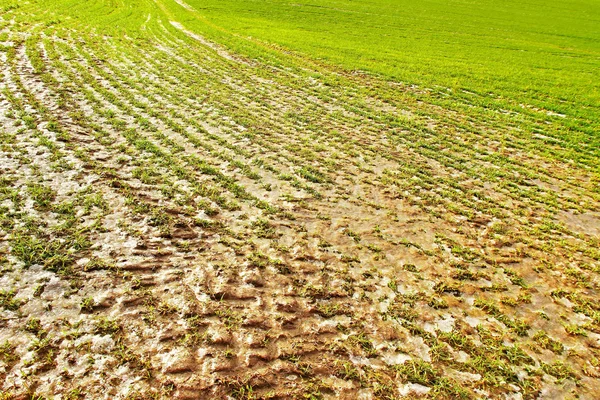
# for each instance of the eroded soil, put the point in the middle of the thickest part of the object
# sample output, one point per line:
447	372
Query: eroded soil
177	221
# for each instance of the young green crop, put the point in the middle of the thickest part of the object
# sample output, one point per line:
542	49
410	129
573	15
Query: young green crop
517	56
263	207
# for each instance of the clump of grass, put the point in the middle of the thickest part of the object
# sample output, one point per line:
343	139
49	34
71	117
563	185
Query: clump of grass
328	310
105	326
424	373
230	318
8	301
437	303
311	174
362	342
262	261
264	229
7	352
353	235
520	327
53	254
559	370
29	121
34	325
98	264
575	330
87	304
410	268
465	275
448	287
346	370
42	196
402	312
547	342
515	278
496	287
392	284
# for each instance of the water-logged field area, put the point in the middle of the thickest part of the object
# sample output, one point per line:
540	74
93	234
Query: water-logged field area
189	214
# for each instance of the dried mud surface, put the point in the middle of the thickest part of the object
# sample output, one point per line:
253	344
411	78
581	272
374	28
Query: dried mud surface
179	222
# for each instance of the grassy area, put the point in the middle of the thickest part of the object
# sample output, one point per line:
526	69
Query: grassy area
530	52
187	211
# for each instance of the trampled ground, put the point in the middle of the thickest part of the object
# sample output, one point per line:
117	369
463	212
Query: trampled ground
182	220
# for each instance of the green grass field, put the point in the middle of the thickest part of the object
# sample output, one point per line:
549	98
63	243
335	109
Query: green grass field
521	51
324	200
507	55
